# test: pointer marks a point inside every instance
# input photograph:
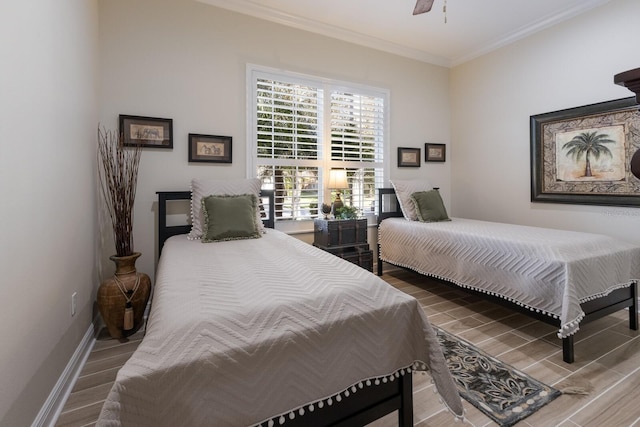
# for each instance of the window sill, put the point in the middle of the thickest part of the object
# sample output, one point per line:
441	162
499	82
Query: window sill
306	226
295	227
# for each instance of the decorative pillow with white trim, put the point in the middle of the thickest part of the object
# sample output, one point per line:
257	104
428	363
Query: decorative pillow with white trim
429	206
201	188
230	218
404	190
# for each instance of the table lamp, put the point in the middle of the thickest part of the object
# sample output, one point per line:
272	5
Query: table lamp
337	181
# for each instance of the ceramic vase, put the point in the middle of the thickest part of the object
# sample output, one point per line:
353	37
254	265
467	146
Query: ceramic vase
122	299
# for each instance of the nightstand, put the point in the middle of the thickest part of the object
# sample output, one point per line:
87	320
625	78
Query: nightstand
346	238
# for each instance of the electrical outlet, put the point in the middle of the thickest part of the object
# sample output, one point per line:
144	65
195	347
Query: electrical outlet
74	303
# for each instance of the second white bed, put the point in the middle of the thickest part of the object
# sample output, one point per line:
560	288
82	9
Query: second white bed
546	270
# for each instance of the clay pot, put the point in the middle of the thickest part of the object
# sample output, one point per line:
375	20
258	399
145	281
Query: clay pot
112	303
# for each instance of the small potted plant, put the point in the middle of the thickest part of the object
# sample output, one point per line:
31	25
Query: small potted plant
346	212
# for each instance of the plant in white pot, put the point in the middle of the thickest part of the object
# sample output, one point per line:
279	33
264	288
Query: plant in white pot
122	298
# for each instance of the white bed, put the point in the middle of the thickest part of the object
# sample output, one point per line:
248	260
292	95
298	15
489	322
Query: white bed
269	330
551	273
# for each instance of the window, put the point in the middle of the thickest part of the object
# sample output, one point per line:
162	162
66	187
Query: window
300	127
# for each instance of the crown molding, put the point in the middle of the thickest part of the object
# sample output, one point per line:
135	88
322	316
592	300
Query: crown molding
251	8
528	30
262	12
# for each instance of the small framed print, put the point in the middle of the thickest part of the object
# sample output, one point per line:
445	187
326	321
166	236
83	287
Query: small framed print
408	157
149	132
434	152
209	148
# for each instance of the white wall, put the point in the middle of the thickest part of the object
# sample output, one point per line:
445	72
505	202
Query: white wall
48	116
186	61
492	98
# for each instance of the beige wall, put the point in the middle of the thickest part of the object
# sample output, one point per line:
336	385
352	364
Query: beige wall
492	98
187	61
48	116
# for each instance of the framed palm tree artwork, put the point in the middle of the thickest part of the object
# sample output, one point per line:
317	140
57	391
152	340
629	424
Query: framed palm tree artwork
583	155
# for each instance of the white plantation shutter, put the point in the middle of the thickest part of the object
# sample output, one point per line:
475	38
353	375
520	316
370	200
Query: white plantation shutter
300	127
357	127
287	120
357	140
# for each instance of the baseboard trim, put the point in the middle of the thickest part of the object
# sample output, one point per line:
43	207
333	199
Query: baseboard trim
52	407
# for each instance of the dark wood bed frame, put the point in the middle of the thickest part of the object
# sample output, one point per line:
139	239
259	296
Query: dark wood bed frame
594	309
360	408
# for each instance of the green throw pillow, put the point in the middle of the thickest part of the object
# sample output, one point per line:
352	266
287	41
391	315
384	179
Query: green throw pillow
429	206
230	217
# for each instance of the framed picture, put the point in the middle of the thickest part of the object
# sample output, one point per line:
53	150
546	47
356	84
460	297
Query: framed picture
434	152
408	157
582	155
209	148
146	131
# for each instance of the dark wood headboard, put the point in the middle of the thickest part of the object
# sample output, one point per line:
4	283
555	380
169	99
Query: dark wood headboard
165	231
388	207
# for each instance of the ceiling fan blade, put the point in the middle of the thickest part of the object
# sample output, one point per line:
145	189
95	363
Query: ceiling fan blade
422	6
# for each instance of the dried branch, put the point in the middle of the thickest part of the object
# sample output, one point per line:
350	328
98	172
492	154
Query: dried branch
118	177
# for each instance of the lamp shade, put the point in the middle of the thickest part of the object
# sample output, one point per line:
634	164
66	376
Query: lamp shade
338	179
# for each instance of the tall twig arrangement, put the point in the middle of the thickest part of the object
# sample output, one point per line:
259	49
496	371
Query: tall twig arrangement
118	177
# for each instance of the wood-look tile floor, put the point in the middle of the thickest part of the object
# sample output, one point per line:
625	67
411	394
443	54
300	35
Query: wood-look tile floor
604	379
98	374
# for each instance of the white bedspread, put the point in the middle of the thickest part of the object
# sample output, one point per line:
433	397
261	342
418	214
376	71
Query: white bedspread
552	271
243	331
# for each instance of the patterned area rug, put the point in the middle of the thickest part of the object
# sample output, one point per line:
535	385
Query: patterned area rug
499	390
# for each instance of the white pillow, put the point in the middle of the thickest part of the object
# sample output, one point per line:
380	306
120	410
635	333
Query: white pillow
404	190
201	188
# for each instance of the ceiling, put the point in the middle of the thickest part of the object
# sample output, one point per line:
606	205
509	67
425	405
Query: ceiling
473	27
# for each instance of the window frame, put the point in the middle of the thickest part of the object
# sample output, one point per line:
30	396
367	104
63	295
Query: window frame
324	162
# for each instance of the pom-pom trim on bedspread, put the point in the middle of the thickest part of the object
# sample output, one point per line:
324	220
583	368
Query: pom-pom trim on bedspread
565	331
573	326
282	418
